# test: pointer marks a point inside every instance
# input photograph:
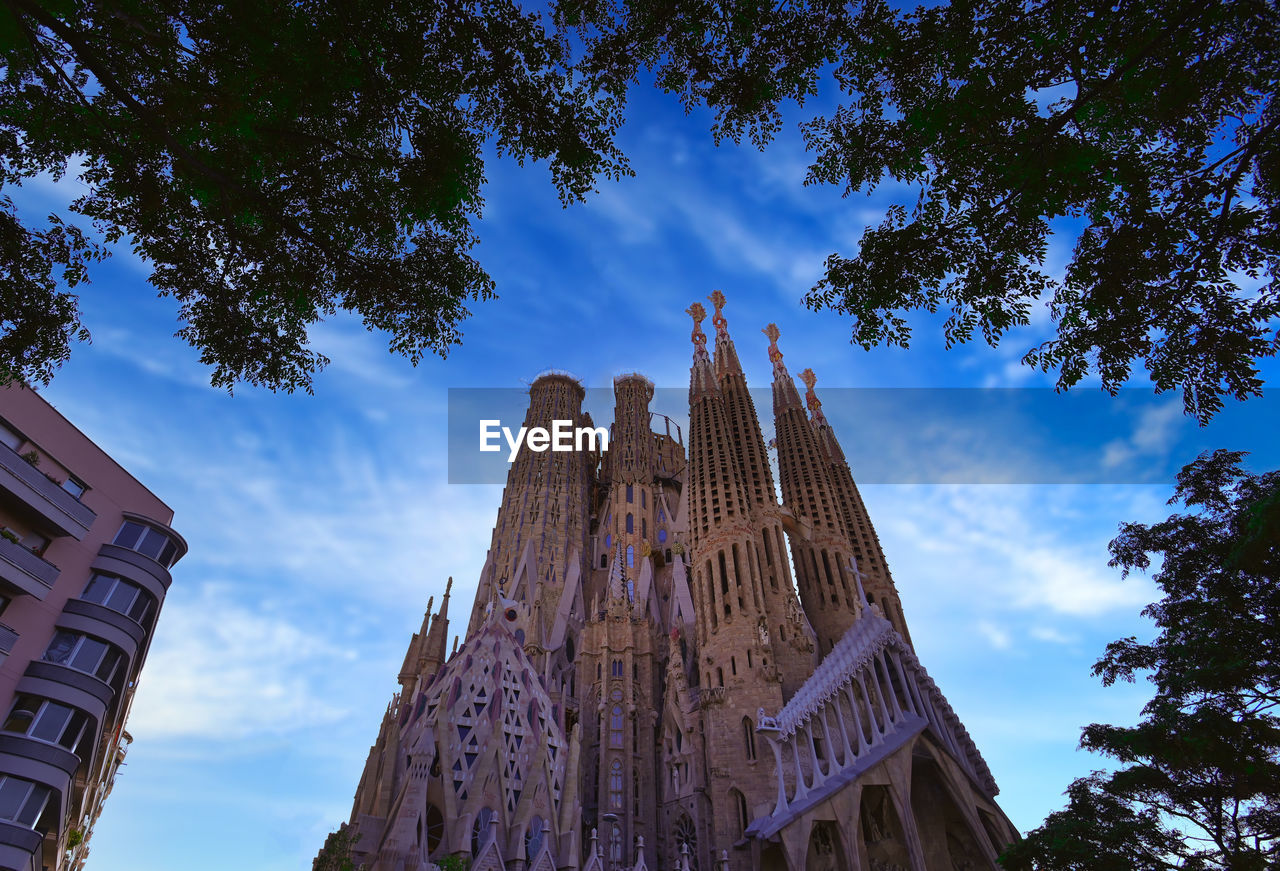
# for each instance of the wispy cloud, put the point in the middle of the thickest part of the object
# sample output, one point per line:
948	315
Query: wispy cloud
1155	433
218	670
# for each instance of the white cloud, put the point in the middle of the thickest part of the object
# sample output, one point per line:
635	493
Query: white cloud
219	670
1154	435
1052	635
1007	548
996	636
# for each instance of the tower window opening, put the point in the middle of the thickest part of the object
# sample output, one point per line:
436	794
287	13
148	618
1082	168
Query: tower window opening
615	668
643	503
615	726
749	737
740	805
719	676
615	785
733	666
748	659
631	557
630	495
644	528
631	523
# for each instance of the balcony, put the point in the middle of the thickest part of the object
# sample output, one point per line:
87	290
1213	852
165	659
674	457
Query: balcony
54	506
22	571
8	637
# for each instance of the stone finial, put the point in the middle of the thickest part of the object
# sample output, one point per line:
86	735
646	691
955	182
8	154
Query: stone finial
448	586
771	331
811	400
699	314
717	299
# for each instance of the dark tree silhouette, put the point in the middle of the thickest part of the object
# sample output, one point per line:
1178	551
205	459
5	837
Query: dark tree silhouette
1197	780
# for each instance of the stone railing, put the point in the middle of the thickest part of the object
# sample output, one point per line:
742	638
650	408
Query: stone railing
867	698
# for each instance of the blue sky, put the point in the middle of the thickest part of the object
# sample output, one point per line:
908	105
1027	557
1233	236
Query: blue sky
319	525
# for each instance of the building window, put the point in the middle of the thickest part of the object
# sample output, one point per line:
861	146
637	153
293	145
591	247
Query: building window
615	668
631	523
615	844
9	438
631	557
687	838
480	831
147	541
74	486
749	737
630	494
119	595
615	726
533	838
643	503
85	654
22	801
47	721
662	535
615	785
644	528
740	805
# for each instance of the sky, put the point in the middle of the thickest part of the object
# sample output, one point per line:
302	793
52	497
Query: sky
320	525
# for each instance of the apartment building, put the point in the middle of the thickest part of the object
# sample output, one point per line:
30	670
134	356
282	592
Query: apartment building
85	554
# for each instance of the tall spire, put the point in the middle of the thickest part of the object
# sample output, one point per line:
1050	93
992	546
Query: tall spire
438	636
726	354
871	570
784	389
701	378
823	559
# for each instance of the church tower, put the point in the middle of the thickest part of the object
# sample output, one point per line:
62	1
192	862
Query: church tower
820	549
540	538
730	598
781	625
876	580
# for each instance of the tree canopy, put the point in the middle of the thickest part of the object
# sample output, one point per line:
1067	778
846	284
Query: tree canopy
1149	129
276	162
1197	780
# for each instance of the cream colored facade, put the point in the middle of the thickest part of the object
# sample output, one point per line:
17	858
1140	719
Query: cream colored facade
643	684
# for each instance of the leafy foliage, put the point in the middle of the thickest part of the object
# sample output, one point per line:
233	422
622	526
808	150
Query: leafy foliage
335	855
1198	779
277	162
1149	125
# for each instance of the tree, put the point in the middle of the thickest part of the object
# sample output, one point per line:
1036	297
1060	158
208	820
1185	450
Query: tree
276	162
335	855
1150	127
1197	781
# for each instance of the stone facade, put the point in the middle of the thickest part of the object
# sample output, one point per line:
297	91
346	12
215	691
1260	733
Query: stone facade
642	683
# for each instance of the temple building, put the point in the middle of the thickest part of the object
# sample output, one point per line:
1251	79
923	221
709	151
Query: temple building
675	662
85	553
